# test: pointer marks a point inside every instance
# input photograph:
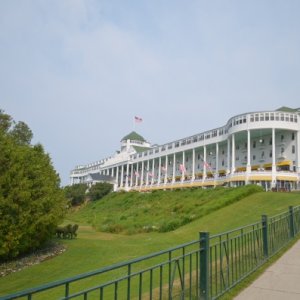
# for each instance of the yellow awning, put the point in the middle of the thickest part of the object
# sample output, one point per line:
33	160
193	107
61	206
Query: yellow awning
237	178
241	169
255	167
284	163
267	165
222	171
259	178
286	178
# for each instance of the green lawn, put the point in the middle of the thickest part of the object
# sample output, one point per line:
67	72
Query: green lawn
93	250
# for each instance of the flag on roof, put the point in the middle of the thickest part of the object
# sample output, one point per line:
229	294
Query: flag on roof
138	119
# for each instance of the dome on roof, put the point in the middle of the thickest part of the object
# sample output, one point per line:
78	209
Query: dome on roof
133	136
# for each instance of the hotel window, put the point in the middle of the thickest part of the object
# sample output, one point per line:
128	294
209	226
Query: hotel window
282	137
262	117
270	154
281	117
198	156
272	117
156	150
277	117
176	144
254	144
223	151
256	117
246	144
244	119
281	150
223	162
267	117
238	147
251	118
293	149
293	136
253	157
195	139
170	146
270	141
263	154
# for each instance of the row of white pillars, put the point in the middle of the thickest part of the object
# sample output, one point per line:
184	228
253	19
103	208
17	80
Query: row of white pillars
231	149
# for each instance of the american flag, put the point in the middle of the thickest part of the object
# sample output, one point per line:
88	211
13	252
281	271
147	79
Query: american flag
206	164
182	168
138	119
164	169
150	174
136	174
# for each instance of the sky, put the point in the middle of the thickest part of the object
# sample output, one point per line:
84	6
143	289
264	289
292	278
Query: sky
78	71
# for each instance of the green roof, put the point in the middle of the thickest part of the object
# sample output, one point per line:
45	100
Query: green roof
133	136
287	109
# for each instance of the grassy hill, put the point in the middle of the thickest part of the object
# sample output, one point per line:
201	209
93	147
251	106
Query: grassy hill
161	211
93	249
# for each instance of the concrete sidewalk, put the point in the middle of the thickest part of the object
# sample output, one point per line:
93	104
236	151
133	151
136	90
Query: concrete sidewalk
279	281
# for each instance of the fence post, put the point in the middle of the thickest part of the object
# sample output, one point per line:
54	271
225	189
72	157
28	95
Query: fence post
264	221
204	265
291	218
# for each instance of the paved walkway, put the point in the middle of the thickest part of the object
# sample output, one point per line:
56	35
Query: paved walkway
279	281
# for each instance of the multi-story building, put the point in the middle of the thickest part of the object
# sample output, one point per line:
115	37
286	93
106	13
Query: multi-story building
257	147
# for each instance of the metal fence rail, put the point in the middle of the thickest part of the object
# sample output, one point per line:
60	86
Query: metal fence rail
202	269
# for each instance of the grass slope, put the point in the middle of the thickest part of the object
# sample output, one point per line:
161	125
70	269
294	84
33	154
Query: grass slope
161	211
93	250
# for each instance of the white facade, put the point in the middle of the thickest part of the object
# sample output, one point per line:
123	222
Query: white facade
261	148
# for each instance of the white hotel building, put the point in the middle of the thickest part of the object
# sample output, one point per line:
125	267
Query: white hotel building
257	147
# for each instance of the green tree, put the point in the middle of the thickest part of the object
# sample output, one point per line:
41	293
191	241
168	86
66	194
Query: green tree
76	193
99	190
21	133
31	200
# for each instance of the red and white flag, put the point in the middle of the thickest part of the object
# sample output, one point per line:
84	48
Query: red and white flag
136	174
206	164
150	174
182	168
164	169
138	119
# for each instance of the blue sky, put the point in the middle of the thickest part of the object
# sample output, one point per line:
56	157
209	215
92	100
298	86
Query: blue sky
77	72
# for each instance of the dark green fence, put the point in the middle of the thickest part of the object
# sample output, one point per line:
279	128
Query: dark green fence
202	269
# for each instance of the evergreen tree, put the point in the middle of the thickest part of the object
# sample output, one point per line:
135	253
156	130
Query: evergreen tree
99	190
31	201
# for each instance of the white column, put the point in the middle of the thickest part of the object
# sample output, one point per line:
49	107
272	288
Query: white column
204	163
166	169
174	167
159	170
131	175
122	176
273	157
217	160
228	155
152	178
147	175
298	151
233	154
193	166
112	172
248	151
142	174
127	174
183	164
136	171
117	176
